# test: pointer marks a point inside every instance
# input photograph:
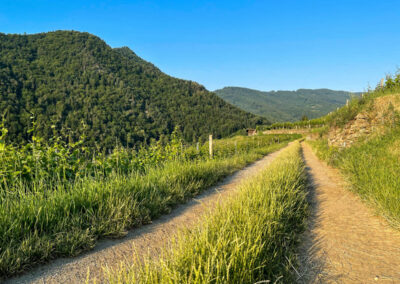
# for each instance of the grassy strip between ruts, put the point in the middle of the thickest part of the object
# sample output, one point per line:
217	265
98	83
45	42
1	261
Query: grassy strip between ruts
42	226
251	237
372	168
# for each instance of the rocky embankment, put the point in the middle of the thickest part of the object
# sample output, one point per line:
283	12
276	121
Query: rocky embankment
382	112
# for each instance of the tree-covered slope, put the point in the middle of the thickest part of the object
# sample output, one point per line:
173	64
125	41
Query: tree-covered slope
73	83
285	105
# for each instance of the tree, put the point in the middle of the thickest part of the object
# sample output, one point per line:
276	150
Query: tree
64	78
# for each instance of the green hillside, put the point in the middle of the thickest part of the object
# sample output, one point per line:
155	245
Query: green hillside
285	105
74	84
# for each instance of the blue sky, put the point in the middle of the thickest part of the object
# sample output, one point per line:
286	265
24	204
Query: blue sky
266	45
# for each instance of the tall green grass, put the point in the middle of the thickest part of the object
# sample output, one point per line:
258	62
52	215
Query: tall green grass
372	168
340	117
372	165
65	219
251	237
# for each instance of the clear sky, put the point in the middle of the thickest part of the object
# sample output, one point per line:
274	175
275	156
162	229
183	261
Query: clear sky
266	45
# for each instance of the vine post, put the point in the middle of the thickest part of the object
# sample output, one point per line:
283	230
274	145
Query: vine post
210	142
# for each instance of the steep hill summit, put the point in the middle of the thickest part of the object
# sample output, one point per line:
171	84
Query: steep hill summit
71	84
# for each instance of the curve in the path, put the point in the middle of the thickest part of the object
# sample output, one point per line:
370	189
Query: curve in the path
346	242
147	239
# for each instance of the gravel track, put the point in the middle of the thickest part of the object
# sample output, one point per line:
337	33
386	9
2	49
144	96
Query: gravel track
346	242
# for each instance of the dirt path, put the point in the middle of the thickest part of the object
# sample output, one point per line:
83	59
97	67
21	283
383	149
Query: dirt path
149	238
346	242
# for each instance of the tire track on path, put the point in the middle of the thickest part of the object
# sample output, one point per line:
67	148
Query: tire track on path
146	239
346	242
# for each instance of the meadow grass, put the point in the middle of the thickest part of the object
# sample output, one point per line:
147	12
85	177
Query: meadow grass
372	168
250	237
36	226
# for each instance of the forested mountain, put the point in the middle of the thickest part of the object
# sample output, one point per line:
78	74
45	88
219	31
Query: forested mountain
285	105
71	83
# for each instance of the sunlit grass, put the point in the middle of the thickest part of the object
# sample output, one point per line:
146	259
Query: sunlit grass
65	219
373	170
251	237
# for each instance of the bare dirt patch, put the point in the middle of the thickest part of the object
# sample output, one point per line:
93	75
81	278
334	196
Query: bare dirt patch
147	239
346	242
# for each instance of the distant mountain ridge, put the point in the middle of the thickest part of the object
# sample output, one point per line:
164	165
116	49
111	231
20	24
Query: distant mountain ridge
285	105
73	83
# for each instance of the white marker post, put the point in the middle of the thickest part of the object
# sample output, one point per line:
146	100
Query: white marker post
210	142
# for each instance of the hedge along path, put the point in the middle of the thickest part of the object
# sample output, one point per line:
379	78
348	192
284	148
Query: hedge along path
346	242
141	241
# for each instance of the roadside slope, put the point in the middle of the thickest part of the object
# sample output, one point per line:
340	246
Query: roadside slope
346	242
150	238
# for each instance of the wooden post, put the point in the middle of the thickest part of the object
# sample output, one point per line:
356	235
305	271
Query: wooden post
382	82
197	147
347	102
210	142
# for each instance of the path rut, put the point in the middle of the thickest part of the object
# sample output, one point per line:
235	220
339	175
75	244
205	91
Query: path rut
147	239
346	242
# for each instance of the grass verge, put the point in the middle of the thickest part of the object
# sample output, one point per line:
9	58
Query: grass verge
372	168
251	237
38	227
